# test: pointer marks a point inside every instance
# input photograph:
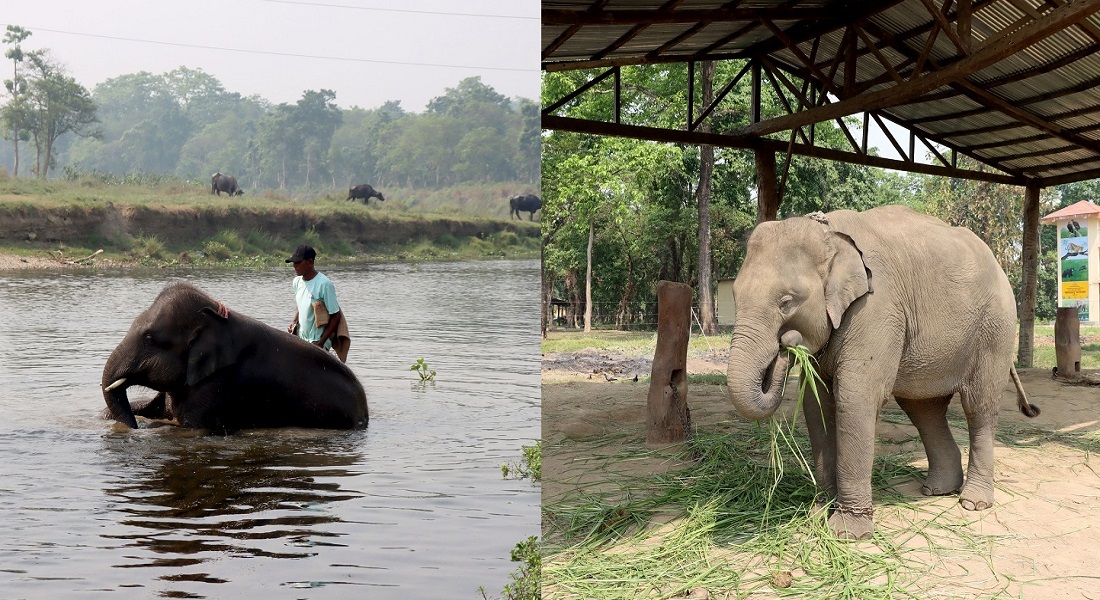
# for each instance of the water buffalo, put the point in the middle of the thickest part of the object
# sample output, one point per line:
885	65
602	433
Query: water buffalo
224	183
364	192
526	203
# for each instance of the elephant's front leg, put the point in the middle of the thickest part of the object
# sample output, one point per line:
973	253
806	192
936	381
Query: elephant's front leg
820	412
153	408
856	415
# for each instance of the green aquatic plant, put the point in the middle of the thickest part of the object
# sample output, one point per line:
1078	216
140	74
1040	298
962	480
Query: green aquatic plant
421	368
530	466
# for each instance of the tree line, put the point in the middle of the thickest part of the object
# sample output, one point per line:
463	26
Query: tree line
621	214
185	123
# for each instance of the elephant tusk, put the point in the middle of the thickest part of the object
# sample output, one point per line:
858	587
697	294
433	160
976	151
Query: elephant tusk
115	385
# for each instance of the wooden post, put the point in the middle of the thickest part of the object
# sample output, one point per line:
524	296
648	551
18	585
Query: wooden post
767	191
1030	259
668	417
1067	342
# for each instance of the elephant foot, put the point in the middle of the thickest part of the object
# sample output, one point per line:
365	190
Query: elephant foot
972	499
942	485
819	507
852	523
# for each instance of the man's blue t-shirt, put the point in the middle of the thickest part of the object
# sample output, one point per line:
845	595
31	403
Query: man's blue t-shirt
305	294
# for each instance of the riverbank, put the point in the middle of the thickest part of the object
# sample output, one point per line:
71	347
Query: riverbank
51	225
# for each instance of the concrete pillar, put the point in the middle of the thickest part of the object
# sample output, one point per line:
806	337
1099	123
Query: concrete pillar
668	418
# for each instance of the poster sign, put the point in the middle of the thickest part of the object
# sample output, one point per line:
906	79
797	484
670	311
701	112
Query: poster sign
1073	262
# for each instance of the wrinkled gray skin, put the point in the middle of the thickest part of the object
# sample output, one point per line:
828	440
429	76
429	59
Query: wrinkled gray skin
221	370
364	192
524	203
224	183
895	305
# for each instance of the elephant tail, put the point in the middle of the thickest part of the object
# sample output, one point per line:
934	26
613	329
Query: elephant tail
1021	398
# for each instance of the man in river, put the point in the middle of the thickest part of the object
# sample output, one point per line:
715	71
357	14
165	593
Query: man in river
313	293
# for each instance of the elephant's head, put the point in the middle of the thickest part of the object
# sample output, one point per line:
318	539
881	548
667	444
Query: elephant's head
798	279
177	342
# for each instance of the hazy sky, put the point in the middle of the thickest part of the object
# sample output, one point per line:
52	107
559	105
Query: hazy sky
367	51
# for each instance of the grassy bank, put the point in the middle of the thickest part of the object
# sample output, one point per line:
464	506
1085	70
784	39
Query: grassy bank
174	222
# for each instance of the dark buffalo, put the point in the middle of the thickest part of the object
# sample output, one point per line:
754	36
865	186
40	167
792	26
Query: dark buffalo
364	192
524	203
224	183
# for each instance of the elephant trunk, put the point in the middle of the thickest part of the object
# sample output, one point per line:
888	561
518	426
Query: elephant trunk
756	371
114	391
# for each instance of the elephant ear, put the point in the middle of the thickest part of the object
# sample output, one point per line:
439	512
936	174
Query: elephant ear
848	278
213	347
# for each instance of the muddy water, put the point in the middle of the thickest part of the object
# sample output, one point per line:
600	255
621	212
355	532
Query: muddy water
412	507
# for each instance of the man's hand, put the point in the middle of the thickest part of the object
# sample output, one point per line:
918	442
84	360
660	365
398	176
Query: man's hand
290	328
319	343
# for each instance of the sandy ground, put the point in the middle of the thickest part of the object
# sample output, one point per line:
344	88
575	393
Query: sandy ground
45	262
1040	540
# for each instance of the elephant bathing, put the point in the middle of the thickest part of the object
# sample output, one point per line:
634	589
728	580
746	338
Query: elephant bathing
895	305
221	370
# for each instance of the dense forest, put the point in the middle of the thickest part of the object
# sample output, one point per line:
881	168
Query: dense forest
630	208
185	123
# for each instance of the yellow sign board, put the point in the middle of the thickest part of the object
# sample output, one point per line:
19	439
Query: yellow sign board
1075	290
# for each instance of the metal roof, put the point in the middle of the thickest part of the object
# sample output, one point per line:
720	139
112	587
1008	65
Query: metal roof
1014	84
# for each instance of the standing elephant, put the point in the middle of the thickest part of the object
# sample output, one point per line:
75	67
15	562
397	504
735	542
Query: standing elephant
224	183
221	370
524	203
364	192
894	304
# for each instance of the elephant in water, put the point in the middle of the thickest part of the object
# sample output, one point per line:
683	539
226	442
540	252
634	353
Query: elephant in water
364	192
221	370
894	304
524	203
224	183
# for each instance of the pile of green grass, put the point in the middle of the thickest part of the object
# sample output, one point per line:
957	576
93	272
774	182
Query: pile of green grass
740	520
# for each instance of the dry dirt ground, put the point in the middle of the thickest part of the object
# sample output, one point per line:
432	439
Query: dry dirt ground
1040	540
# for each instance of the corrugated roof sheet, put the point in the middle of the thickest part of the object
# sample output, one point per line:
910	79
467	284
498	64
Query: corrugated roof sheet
1042	100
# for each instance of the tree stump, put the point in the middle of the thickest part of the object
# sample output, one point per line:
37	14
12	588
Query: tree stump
1067	342
669	420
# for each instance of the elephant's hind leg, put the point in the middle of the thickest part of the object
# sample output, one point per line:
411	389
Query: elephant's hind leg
980	406
945	474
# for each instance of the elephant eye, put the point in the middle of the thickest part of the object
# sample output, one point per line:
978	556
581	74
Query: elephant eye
786	304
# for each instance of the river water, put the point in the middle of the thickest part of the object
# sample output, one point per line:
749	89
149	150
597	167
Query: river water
414	506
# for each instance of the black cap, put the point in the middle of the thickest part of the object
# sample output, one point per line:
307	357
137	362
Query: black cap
304	252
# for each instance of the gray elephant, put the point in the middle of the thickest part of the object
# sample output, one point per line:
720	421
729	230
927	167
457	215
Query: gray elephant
224	183
364	192
221	370
529	203
894	304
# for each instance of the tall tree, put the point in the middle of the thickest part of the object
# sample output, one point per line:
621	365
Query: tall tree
57	105
317	118
709	316
17	87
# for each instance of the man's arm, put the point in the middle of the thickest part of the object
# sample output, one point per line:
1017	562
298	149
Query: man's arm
293	324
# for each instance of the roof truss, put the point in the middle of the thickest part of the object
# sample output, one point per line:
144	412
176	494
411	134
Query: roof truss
1010	83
